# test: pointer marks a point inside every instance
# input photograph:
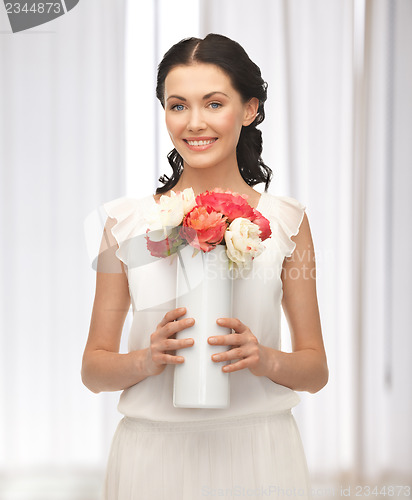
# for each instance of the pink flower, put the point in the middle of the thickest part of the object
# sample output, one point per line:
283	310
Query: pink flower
166	246
204	228
230	204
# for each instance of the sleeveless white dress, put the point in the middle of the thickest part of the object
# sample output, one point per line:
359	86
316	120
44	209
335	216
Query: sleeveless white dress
253	448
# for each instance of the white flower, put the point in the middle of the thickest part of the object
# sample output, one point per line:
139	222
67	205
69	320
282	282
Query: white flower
189	200
243	243
170	210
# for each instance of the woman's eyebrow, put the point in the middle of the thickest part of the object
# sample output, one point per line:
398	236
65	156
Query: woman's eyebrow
207	96
176	97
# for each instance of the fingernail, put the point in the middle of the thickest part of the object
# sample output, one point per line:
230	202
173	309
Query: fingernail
212	340
220	321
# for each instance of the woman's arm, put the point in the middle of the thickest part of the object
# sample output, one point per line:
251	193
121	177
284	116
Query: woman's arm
103	368
304	369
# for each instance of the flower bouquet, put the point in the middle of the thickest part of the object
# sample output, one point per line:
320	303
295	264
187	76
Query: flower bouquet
205	221
227	233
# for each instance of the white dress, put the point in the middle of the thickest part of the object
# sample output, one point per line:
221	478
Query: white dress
253	448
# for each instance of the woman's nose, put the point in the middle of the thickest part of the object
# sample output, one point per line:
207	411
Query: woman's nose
196	121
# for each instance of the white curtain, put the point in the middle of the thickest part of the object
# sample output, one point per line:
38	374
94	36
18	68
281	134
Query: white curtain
80	125
62	154
383	316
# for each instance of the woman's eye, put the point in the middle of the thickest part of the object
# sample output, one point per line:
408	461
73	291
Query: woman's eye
178	107
215	105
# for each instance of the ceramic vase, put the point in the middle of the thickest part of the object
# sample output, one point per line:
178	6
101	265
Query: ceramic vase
204	287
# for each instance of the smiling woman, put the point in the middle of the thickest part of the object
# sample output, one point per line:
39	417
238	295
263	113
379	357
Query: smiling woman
213	97
201	121
218	93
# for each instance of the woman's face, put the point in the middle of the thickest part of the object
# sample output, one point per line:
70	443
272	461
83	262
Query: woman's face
205	114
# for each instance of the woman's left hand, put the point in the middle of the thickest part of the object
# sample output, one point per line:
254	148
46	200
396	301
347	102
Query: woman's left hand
245	347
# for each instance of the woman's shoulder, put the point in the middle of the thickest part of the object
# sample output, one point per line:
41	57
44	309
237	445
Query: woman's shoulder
282	204
285	215
130	214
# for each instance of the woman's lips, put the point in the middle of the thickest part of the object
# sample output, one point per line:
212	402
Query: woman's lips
200	143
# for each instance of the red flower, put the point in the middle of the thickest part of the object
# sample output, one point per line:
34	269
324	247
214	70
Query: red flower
263	224
230	204
204	228
234	205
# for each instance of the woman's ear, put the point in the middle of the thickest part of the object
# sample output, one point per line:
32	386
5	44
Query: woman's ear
251	109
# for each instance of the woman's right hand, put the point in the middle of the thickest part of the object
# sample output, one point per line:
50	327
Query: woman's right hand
157	356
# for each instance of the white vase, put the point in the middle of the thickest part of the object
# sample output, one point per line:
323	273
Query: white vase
199	382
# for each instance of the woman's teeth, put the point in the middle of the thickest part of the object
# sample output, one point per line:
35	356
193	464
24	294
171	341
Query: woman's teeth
200	143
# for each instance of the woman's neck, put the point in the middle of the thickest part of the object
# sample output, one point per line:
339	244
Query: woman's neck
201	180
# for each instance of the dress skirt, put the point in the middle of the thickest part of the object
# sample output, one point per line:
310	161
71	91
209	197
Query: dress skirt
254	456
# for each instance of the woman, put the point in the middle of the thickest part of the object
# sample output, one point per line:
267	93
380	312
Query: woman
213	96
